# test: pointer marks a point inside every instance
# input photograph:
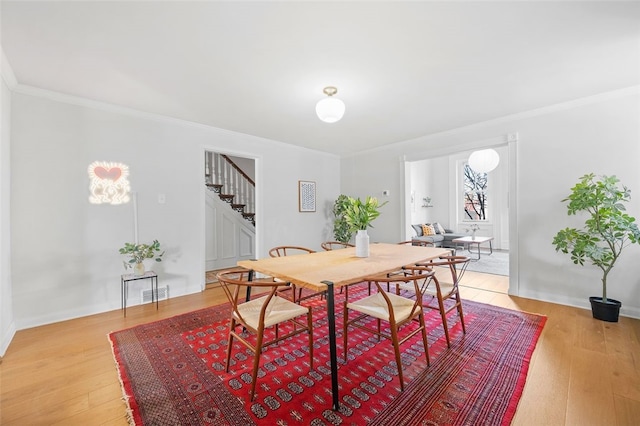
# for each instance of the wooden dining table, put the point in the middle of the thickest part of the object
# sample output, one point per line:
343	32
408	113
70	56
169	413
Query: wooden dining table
329	270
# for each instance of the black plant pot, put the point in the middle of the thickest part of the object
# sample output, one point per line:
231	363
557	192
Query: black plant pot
605	311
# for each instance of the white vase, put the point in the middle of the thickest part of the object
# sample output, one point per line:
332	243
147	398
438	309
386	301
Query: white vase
138	269
362	243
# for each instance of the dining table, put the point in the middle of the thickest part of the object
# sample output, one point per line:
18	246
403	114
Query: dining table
326	271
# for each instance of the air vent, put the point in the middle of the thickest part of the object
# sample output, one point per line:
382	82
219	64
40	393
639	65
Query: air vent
163	294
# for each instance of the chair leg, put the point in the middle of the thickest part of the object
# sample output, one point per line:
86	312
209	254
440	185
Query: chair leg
424	337
443	314
230	344
345	326
459	304
396	349
256	363
310	325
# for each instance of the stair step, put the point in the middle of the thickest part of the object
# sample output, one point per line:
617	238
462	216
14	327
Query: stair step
227	197
215	187
238	207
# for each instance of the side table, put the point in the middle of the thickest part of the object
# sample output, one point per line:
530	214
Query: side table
124	286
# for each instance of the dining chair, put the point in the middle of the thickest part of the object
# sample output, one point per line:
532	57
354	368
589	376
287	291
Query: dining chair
395	310
333	245
259	314
281	251
441	289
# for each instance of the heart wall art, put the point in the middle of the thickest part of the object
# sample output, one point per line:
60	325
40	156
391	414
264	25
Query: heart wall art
108	183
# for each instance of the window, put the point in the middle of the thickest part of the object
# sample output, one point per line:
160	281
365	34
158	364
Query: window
474	203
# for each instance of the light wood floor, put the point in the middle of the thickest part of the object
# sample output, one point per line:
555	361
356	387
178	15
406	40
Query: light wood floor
583	372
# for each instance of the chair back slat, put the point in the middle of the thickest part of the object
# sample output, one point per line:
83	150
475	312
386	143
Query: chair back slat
281	251
333	245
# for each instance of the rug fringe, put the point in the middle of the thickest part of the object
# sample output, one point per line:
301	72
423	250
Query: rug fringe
125	397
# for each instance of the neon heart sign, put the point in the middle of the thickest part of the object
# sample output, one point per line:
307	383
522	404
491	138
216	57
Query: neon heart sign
108	183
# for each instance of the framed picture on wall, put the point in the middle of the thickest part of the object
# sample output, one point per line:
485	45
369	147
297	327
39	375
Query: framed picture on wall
306	196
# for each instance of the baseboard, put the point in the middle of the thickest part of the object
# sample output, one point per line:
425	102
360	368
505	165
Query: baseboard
625	311
7	338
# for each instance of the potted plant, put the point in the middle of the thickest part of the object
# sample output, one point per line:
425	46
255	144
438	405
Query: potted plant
607	231
341	230
359	215
138	253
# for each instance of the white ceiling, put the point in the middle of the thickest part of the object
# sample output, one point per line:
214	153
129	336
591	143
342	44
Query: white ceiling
403	69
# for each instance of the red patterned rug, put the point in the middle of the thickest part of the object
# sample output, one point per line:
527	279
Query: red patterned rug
172	373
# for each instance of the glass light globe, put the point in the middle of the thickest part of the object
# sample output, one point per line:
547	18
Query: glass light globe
330	109
484	161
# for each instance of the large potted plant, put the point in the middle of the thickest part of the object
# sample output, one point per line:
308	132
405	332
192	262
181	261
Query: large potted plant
137	253
341	230
359	214
606	232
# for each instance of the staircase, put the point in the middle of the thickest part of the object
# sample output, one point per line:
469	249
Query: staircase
232	185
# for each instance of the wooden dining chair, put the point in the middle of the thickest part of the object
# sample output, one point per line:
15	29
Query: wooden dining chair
395	310
333	245
259	314
444	288
281	251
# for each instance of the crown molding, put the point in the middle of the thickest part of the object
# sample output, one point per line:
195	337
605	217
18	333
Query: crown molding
588	100
113	108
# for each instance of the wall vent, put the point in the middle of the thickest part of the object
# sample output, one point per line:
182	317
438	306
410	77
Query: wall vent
163	294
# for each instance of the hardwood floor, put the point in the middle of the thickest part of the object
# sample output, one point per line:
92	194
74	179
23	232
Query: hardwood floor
583	371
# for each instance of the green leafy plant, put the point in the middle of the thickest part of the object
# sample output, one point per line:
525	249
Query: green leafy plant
359	214
139	252
341	231
607	229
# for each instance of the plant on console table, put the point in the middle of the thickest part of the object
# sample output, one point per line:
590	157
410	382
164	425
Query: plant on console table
606	232
359	215
137	253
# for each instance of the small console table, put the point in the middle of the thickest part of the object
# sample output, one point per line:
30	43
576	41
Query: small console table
468	241
124	286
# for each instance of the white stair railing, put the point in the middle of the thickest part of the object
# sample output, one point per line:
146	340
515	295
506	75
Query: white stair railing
224	177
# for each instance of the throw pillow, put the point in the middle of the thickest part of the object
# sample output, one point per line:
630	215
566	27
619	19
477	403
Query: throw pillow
418	229
428	230
439	228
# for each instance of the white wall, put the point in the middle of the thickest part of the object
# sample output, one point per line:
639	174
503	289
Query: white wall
7	324
556	146
65	251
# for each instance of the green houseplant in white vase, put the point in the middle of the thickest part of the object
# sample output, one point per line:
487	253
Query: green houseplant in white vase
359	215
137	253
606	232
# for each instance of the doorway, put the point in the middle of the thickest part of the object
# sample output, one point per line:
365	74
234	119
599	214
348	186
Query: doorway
433	193
230	211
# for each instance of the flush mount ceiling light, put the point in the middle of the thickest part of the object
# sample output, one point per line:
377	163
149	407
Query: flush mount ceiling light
484	161
330	109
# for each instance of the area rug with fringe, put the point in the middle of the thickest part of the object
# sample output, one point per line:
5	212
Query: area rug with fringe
172	372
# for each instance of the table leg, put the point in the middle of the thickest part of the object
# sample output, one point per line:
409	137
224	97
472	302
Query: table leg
250	278
126	283
157	295
333	352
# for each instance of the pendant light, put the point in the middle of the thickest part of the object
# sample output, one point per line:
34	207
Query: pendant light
330	109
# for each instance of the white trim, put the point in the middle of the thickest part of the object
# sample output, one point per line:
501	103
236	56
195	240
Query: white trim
104	106
259	215
510	140
7	338
7	72
613	94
